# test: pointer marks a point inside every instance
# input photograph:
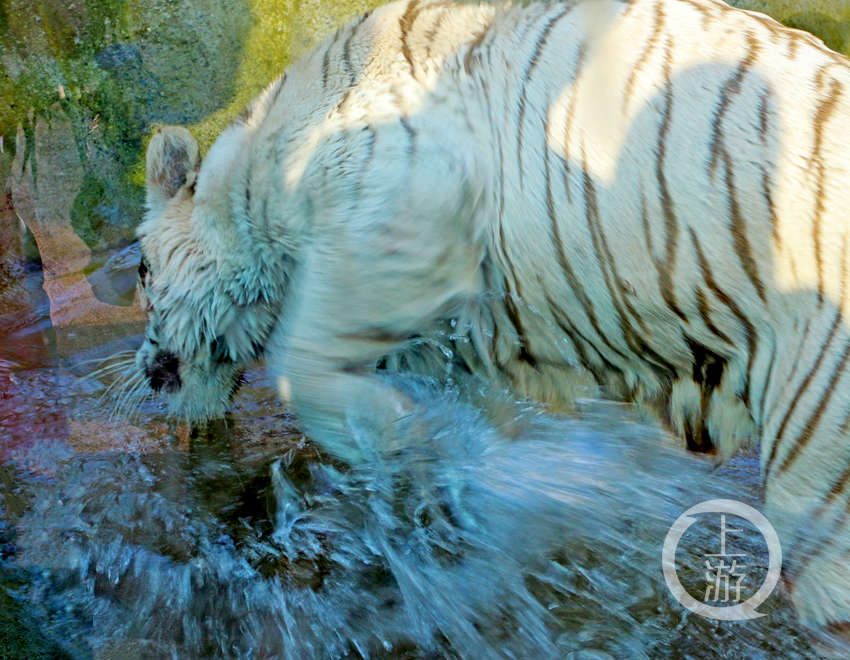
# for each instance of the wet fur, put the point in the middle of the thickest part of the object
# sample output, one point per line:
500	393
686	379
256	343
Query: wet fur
647	197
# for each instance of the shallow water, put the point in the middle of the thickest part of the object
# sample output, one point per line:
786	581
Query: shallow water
500	532
497	531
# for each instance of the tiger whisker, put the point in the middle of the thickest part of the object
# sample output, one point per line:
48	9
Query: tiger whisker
118	383
111	369
111	356
129	397
120	389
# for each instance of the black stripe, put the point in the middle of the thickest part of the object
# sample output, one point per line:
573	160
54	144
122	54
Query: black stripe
510	303
562	320
405	23
822	116
538	47
793	44
738	227
248	184
723	297
244	116
839	317
609	270
795	363
730	88
572	281
718	152
671	225
771	208
346	49
357	194
766	385
513	312
377	334
630	4
644	221
278	88
626	291
764	116
702	9
326	60
705	315
566	327
811	424
800	390
776	30
472	49
657	28
707	371
410	134
432	32
582	53
838	487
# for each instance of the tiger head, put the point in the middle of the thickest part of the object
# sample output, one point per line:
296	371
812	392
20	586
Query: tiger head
209	311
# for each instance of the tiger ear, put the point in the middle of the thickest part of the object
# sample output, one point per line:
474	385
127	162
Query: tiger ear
173	160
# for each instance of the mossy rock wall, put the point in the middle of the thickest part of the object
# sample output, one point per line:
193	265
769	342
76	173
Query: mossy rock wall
119	68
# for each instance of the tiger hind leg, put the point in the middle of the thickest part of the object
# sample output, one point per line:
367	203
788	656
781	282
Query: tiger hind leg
806	467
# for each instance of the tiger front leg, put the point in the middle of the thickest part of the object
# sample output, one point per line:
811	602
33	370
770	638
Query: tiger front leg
331	396
385	263
325	349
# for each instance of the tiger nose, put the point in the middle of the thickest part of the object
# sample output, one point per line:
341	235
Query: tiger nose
163	372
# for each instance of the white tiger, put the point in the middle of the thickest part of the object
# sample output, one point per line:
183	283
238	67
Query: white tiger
653	192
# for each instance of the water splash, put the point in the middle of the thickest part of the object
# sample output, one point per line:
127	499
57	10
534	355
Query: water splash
495	531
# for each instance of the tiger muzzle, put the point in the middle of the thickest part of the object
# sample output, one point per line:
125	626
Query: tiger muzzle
163	373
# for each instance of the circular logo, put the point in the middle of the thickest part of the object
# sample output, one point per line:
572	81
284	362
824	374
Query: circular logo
723	572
